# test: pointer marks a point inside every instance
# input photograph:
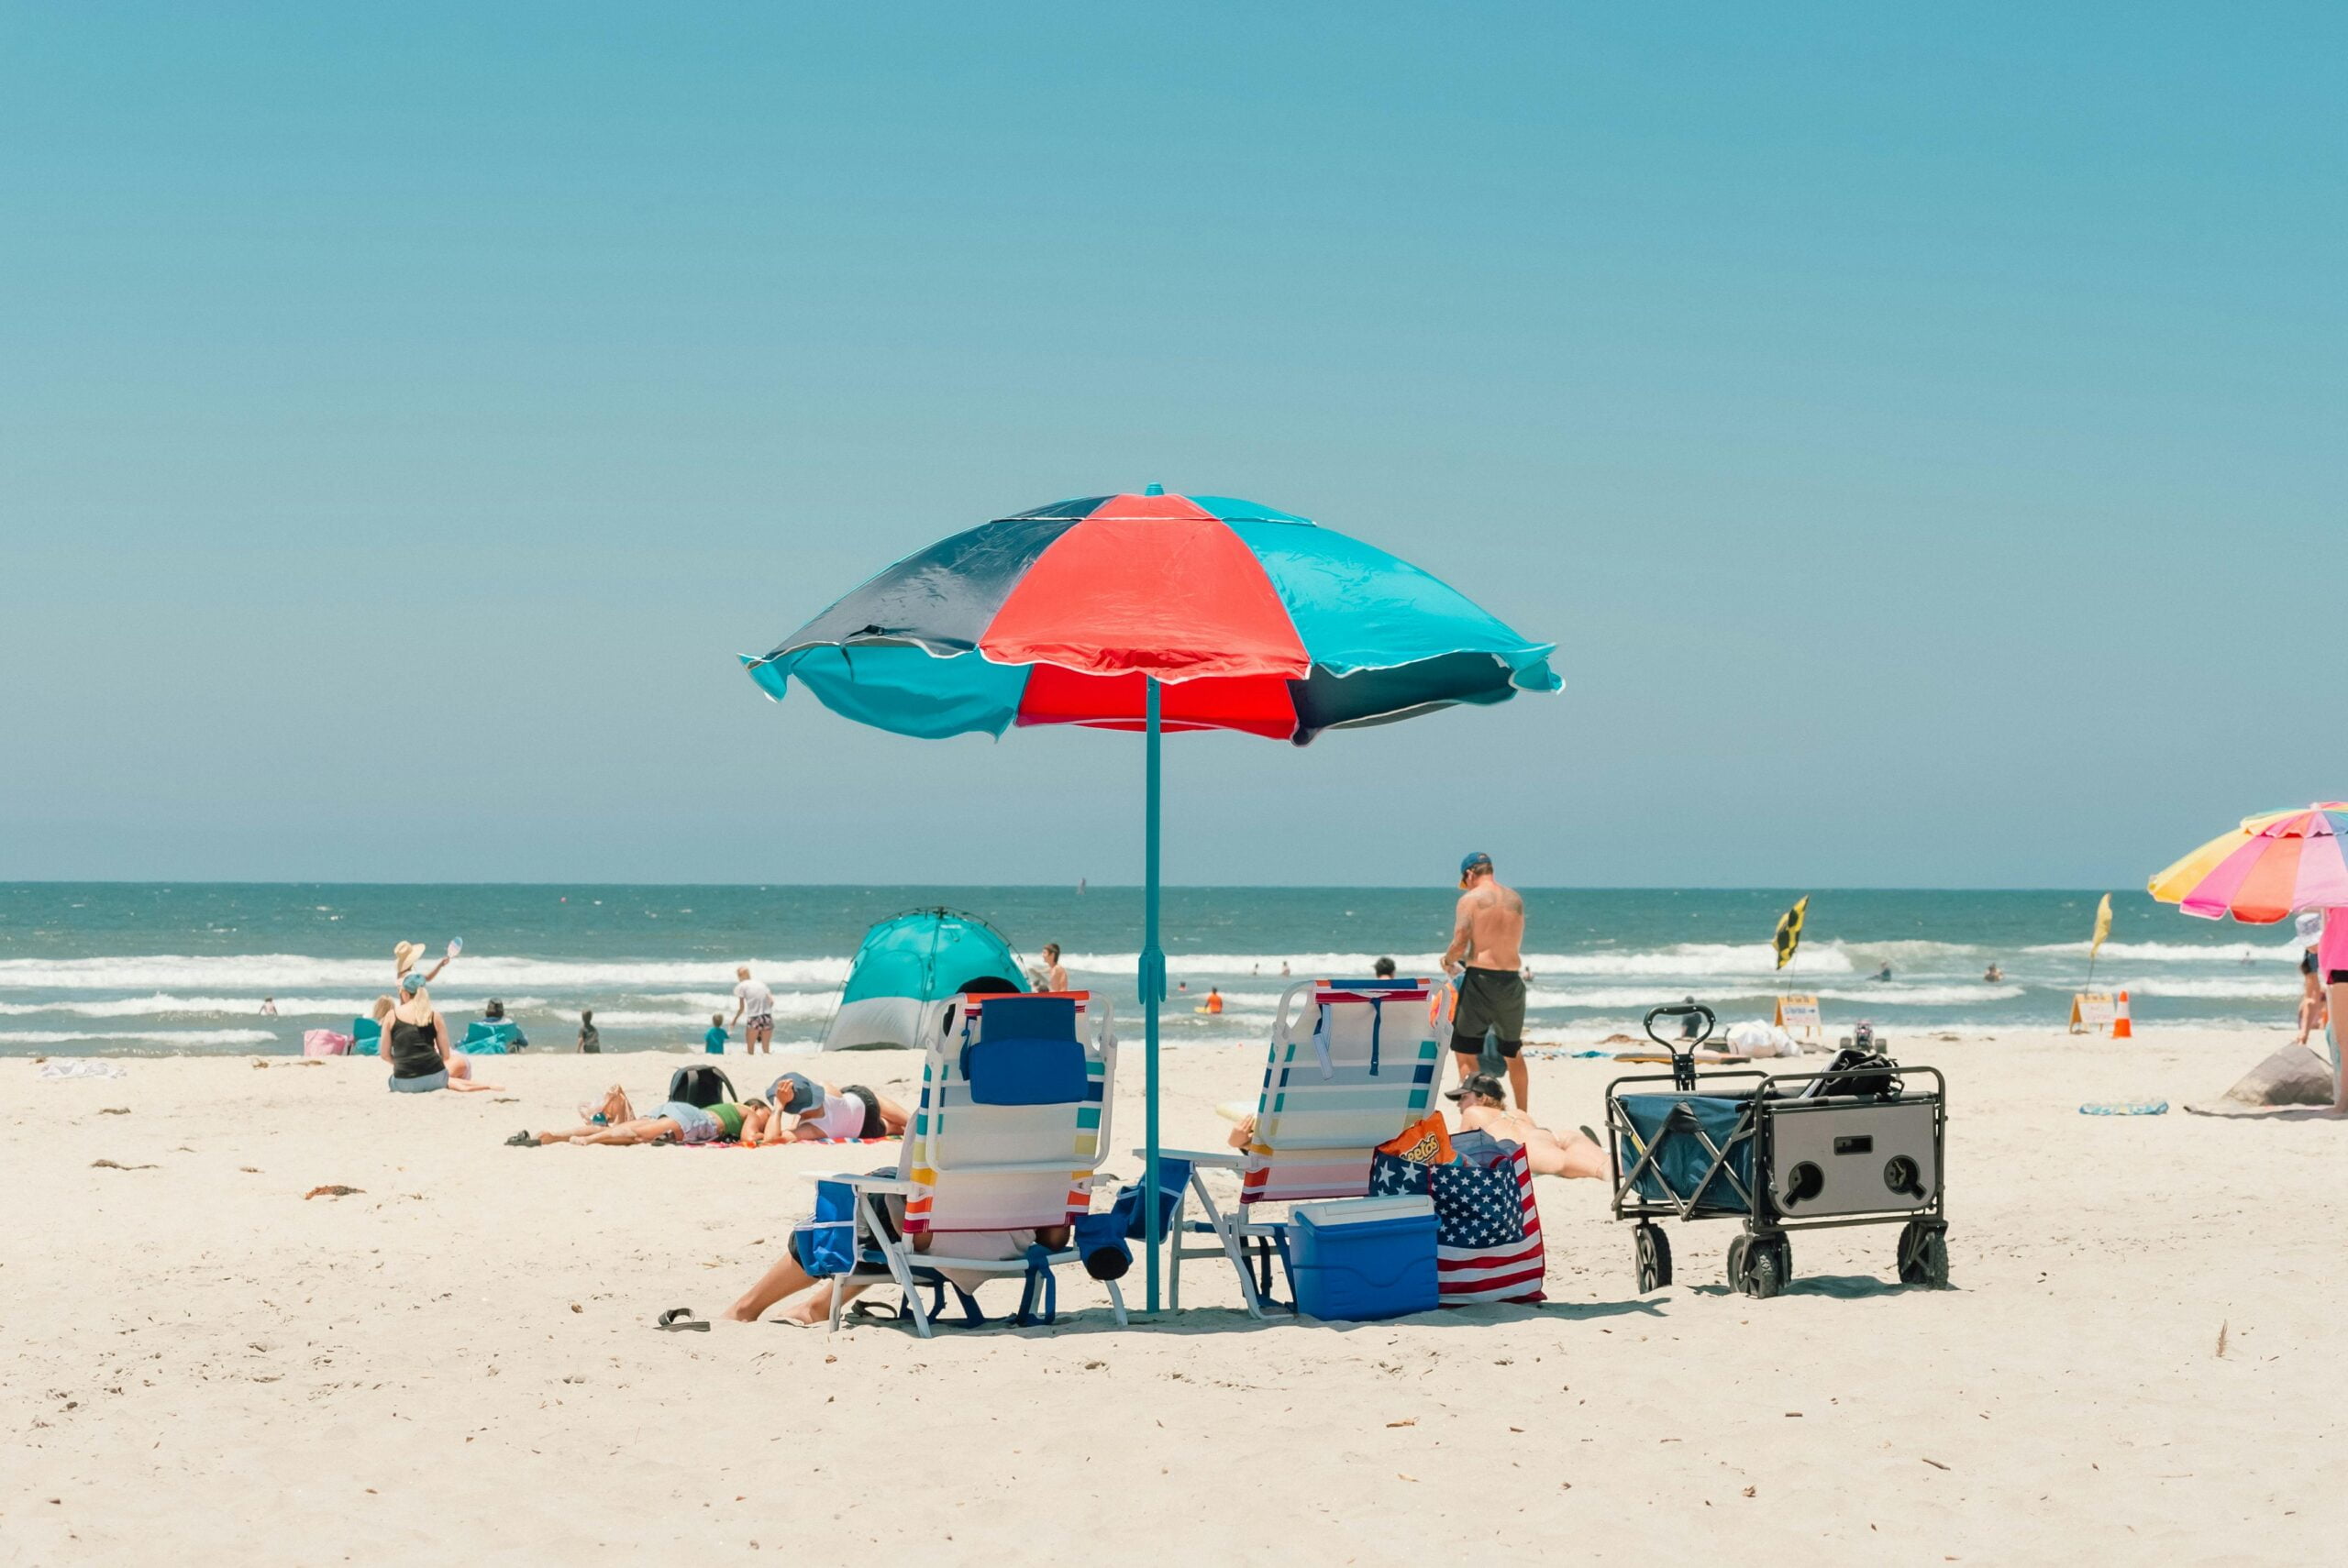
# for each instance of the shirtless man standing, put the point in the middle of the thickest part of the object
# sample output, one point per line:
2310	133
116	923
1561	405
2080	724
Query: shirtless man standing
1570	1155
1484	955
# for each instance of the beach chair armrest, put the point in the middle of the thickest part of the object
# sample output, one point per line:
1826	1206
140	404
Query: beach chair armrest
1221	1159
861	1182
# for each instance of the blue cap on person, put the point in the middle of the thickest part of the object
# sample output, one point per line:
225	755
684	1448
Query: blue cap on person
410	982
804	1094
1479	861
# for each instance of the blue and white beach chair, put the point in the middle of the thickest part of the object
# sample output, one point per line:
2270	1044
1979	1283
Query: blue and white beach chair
1007	1138
1351	1071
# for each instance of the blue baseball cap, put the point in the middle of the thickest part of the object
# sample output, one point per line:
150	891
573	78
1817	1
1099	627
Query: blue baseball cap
1479	861
804	1094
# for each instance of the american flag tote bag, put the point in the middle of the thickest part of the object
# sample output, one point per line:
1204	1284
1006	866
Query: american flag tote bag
1487	1235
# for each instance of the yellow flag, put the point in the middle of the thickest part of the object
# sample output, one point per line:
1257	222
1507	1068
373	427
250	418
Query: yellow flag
2102	927
1788	935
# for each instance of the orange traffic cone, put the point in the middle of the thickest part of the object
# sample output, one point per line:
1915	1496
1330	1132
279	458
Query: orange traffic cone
2119	1027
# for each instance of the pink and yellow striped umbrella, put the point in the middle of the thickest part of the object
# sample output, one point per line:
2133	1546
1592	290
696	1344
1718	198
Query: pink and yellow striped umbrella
2273	866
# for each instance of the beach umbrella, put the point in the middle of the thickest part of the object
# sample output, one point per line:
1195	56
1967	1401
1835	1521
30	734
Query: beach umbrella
2276	865
2172	884
1152	612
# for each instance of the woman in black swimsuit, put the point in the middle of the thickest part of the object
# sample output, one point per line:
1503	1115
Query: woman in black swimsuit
415	1046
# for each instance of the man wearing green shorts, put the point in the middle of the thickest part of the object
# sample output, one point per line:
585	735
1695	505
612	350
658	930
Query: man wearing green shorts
1487	957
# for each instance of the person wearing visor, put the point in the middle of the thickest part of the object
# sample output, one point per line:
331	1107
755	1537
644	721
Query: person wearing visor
1482	1109
808	1112
1486	960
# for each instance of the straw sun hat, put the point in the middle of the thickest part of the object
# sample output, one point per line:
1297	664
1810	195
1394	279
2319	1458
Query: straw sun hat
407	954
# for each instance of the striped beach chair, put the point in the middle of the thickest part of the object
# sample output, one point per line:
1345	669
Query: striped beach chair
1354	1066
1008	1137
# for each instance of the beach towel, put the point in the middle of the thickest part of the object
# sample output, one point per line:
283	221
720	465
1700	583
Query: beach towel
88	1068
737	1143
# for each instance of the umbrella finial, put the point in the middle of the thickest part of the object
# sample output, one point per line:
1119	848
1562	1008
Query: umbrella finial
1155	490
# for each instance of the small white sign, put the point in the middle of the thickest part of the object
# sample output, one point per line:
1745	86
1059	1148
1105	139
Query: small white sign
1796	1013
2091	1011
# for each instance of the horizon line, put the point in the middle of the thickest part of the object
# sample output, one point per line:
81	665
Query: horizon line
1813	887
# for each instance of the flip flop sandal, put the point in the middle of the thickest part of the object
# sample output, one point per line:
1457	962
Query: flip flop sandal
526	1139
677	1319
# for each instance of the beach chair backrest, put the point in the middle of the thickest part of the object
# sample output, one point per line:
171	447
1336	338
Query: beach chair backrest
1013	1112
1349	1068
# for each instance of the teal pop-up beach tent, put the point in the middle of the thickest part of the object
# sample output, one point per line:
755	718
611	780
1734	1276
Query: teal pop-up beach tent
908	960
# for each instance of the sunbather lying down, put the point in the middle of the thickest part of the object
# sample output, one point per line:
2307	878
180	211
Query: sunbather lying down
612	1120
809	1111
1484	1107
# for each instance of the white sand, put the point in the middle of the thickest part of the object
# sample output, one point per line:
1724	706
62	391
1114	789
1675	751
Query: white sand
198	1365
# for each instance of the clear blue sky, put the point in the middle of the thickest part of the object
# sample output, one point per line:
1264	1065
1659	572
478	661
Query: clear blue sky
1919	428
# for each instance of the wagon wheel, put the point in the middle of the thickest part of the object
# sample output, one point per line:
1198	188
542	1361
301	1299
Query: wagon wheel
1767	1276
1737	1250
1924	1253
1653	1250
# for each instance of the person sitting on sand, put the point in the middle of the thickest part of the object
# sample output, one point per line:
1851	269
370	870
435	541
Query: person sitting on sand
807	1111
1484	1107
789	1277
612	1120
416	1045
493	1011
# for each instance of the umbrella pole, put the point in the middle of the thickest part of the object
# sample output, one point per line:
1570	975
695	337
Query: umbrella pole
1153	987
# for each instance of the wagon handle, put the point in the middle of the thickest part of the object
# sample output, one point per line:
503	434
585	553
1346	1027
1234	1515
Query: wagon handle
1683	1062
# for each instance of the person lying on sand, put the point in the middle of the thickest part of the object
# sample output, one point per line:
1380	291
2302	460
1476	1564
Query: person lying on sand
808	1112
1483	1108
613	1121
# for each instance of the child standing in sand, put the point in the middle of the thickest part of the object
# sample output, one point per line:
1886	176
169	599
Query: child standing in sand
714	1041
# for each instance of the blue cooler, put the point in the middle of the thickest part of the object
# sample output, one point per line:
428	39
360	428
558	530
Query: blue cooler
1362	1258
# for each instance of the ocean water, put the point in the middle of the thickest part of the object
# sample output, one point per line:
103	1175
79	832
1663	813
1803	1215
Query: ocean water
127	968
